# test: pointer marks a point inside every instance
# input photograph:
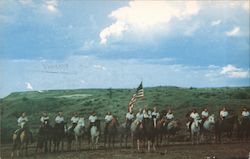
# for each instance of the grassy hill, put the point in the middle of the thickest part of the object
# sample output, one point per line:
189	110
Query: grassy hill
115	100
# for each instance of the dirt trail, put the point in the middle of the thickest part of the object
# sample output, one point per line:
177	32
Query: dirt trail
180	151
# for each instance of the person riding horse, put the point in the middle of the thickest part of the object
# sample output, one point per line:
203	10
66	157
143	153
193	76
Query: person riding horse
129	118
193	116
74	121
59	118
22	125
245	113
204	116
92	119
108	118
169	116
44	118
139	116
223	114
155	116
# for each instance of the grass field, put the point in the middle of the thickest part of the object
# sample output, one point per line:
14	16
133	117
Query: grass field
85	101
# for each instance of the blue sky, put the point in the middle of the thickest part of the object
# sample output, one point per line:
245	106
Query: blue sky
101	44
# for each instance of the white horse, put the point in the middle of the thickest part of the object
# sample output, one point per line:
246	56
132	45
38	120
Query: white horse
195	130
79	132
94	134
208	127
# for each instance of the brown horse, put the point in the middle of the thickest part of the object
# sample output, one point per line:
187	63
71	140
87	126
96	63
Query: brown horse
145	132
243	129
111	132
159	130
20	142
225	126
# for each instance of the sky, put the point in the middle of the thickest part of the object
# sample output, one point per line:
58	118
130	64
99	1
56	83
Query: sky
52	44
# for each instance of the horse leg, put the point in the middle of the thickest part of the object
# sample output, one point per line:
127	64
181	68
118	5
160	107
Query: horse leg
114	141
26	149
192	138
105	139
149	144
96	143
138	145
109	140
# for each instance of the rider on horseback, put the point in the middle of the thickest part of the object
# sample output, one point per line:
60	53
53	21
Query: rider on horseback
92	119
74	121
129	118
245	113
44	118
223	113
139	115
170	115
22	124
155	116
204	116
146	113
108	118
193	116
59	118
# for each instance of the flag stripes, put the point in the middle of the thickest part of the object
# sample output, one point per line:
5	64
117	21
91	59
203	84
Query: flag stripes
139	94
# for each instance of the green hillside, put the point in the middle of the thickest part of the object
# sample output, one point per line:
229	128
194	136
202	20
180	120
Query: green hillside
115	100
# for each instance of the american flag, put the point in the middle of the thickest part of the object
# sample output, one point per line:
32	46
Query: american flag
131	102
139	94
140	91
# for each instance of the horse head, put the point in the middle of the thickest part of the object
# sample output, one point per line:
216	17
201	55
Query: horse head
211	119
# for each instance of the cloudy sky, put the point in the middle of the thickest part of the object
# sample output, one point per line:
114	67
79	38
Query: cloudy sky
101	44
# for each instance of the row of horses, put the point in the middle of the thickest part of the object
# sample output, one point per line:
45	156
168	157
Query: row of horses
145	132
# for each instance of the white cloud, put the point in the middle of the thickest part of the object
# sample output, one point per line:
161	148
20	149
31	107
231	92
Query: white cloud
146	16
52	5
246	5
28	86
215	23
100	67
82	81
234	32
26	2
234	72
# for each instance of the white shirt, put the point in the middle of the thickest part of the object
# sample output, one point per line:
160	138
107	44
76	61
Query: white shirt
92	118
245	113
157	114
139	116
43	118
129	116
59	119
204	113
74	119
194	115
81	122
145	115
108	118
21	120
224	113
170	116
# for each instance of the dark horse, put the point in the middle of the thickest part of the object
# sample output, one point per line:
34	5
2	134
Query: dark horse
243	129
225	126
124	130
111	132
160	130
45	137
59	134
145	131
21	141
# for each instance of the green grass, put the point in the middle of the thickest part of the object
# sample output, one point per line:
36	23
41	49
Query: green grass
85	101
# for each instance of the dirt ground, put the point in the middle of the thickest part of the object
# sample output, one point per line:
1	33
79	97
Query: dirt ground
172	151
